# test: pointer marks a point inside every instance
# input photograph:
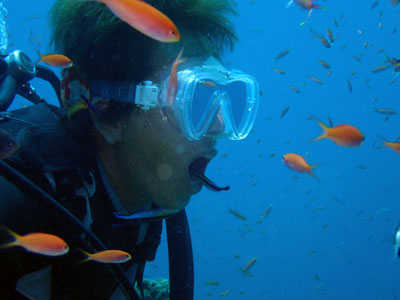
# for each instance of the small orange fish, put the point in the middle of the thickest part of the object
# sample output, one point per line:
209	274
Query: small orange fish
315	79
324	64
281	54
238	214
280	71
306	4
144	18
349	86
294	89
330	36
395	146
208	83
380	68
284	111
249	265
173	79
38	242
342	135
55	60
108	256
324	41
298	163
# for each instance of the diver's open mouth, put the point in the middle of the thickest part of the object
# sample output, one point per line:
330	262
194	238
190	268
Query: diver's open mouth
196	172
199	165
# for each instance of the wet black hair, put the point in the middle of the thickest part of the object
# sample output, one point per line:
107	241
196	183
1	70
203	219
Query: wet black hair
104	47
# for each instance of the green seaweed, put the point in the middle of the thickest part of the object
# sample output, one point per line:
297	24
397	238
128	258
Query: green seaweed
103	47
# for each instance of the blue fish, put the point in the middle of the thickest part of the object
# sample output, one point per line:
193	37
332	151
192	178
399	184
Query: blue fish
153	213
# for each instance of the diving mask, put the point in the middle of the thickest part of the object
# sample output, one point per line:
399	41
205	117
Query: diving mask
211	101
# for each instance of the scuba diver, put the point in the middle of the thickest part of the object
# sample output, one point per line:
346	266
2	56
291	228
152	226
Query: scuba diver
115	160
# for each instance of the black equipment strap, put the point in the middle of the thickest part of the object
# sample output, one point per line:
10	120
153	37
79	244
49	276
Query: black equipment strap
181	272
28	187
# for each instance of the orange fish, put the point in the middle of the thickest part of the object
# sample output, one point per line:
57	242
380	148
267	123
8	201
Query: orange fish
342	135
306	4
38	242
297	163
324	41
173	79
249	265
55	60
395	146
108	256
330	36
144	18
208	83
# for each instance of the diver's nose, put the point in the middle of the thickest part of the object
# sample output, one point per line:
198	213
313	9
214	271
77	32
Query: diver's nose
217	127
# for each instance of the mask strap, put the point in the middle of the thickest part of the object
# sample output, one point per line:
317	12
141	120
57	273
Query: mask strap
144	95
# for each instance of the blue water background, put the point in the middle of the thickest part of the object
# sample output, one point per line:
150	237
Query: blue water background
324	239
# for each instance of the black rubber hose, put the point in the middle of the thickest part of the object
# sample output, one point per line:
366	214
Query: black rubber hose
181	272
28	187
48	75
8	88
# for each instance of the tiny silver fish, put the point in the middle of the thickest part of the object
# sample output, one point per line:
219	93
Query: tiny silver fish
153	213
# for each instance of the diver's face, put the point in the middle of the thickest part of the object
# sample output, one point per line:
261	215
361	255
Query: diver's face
158	158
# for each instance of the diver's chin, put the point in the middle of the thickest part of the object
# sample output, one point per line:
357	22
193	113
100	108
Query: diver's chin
175	203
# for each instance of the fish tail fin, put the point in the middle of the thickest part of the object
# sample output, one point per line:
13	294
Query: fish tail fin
316	6
309	171
88	256
322	136
10	232
289	3
178	58
247	273
308	16
386	56
385	143
324	127
40	59
13	234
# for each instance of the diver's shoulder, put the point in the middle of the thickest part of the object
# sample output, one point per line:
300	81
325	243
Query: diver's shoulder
46	142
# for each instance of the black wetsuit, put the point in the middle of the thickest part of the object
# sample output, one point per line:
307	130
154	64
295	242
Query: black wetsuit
55	161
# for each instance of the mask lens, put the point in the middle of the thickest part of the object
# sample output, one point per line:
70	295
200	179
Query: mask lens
204	94
238	95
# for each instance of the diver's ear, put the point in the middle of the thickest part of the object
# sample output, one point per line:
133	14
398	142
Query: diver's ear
110	131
